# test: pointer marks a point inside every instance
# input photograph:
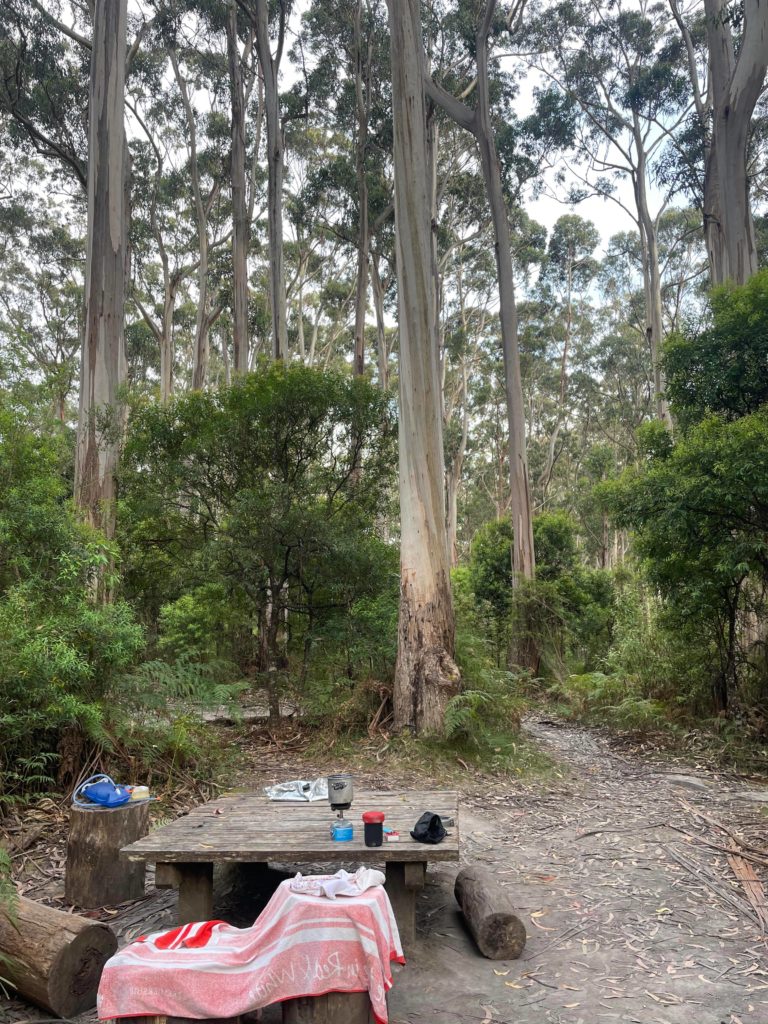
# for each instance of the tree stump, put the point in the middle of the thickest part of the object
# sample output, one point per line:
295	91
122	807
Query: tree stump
490	914
333	1008
96	875
160	1018
56	959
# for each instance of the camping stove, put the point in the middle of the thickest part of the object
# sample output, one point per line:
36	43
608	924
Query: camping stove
340	792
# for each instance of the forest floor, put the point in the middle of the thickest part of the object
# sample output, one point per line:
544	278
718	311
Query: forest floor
630	870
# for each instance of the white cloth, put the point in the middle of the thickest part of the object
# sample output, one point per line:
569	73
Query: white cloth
340	884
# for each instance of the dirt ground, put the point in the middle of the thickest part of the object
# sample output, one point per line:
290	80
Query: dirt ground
631	873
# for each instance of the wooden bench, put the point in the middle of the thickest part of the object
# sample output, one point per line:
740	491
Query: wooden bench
248	828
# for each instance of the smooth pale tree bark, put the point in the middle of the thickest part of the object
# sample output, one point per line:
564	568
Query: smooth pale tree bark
454	470
455	466
202	208
478	122
736	84
161	324
649	241
382	354
362	99
270	67
725	106
426	676
103	367
240	224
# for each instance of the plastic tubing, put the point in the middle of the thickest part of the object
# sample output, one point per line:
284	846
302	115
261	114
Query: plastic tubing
89	805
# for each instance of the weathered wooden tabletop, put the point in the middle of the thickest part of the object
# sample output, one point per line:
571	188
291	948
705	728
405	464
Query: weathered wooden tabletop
247	827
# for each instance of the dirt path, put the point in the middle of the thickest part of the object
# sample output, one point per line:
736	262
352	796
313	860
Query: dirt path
631	916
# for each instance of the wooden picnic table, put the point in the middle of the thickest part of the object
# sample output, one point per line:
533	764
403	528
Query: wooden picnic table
248	828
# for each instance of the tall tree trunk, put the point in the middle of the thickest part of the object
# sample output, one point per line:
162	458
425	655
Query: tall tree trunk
654	324
269	69
523	560
453	474
200	356
426	675
736	84
381	329
166	345
363	235
300	308
103	366
478	122
240	232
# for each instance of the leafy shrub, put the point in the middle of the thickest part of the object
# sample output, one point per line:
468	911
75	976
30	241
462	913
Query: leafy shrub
477	716
490	705
200	624
565	614
610	699
259	501
58	650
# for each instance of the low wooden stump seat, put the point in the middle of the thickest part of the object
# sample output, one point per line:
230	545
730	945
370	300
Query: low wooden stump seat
96	876
333	1008
163	1019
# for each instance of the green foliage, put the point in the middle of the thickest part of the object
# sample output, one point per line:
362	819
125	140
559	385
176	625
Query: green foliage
249	517
566	611
698	506
353	654
487	711
595	696
721	368
700	515
58	651
198	623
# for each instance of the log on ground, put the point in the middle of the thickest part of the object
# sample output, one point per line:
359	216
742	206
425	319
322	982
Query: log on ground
55	959
490	914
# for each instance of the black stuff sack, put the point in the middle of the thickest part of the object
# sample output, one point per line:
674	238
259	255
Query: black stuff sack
429	829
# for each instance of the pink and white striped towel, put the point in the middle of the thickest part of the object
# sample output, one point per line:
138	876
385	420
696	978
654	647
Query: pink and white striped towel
299	946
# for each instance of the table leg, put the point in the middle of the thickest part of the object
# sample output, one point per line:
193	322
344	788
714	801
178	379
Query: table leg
195	892
404	879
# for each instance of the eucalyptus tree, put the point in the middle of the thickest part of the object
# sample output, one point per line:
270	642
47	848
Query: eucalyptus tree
259	13
726	84
240	220
103	368
567	271
41	280
478	121
44	74
623	68
344	56
206	169
426	675
165	249
470	282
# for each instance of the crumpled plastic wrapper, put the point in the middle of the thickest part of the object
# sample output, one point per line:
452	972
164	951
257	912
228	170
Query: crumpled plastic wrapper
299	790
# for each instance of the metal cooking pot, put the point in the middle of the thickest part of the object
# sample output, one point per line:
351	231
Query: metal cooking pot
340	792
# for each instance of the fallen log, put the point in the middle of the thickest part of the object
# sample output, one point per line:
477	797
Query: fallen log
490	914
55	959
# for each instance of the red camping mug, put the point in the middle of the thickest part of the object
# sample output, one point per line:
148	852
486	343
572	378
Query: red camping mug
373	828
